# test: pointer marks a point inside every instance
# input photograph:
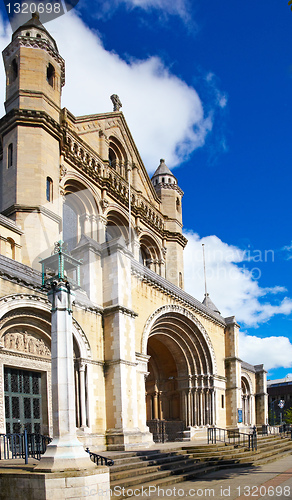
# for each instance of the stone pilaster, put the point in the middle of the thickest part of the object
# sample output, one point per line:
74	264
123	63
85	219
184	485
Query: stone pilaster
233	373
123	430
261	396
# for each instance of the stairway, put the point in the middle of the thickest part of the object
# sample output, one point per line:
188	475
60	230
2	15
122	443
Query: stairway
160	468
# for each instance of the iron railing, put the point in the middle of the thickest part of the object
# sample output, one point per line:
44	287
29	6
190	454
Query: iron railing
23	446
234	438
99	459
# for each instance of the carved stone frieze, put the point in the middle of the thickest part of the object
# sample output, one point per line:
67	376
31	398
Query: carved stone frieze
25	342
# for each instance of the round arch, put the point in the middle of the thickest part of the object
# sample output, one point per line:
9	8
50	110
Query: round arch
118	224
34	311
182	364
199	340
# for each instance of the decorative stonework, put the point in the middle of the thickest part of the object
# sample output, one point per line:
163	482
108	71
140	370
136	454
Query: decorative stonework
172	308
25	342
63	171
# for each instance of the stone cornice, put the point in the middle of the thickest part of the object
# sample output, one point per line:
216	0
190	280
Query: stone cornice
177	237
151	278
120	309
119	362
29	118
10	224
29	209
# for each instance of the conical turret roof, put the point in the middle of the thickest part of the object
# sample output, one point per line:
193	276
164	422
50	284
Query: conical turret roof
162	169
35	23
208	303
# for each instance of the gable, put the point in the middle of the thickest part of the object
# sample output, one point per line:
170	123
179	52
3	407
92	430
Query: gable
109	136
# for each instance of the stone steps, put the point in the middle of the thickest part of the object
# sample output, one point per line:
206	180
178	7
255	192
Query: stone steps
134	470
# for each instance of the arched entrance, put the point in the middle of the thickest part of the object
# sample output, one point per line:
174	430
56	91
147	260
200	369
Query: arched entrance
246	401
180	387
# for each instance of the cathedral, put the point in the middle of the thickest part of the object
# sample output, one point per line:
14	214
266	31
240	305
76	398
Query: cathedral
152	363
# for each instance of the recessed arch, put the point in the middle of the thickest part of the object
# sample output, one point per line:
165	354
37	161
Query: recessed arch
80	212
117	225
188	328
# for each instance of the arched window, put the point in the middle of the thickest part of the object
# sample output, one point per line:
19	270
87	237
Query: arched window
10	155
112	158
144	256
10	248
49	189
180	280
50	74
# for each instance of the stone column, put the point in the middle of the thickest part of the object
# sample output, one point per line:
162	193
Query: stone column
213	400
65	452
201	408
82	396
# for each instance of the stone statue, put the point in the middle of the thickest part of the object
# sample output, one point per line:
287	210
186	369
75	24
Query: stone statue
116	102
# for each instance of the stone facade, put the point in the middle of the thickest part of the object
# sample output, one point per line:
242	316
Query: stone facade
145	351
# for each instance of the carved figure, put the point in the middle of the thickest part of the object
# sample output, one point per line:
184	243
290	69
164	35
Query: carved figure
116	102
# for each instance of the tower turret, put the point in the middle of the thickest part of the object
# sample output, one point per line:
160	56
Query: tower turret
31	135
170	194
35	71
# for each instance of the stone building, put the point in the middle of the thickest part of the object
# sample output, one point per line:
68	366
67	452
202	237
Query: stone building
149	358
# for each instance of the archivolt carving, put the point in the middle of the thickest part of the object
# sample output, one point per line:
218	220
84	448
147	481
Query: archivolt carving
173	308
25	306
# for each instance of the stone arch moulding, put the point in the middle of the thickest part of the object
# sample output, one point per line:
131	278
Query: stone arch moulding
172	308
245	375
74	183
11	303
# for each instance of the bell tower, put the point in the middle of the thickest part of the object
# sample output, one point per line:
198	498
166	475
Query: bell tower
170	194
31	136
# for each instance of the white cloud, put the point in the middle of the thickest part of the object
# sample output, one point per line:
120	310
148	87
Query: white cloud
274	352
164	114
179	8
288	250
233	287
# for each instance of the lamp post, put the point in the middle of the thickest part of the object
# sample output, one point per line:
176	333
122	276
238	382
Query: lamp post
65	452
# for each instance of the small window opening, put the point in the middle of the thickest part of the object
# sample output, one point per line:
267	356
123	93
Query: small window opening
169	181
163	180
10	155
50	74
222	401
180	280
177	204
39	36
49	189
27	33
14	70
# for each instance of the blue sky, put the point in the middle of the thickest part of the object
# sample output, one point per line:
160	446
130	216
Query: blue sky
208	87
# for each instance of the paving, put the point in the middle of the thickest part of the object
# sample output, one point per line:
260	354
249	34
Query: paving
272	480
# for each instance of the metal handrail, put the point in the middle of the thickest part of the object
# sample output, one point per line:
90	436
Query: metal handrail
235	438
99	458
23	446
